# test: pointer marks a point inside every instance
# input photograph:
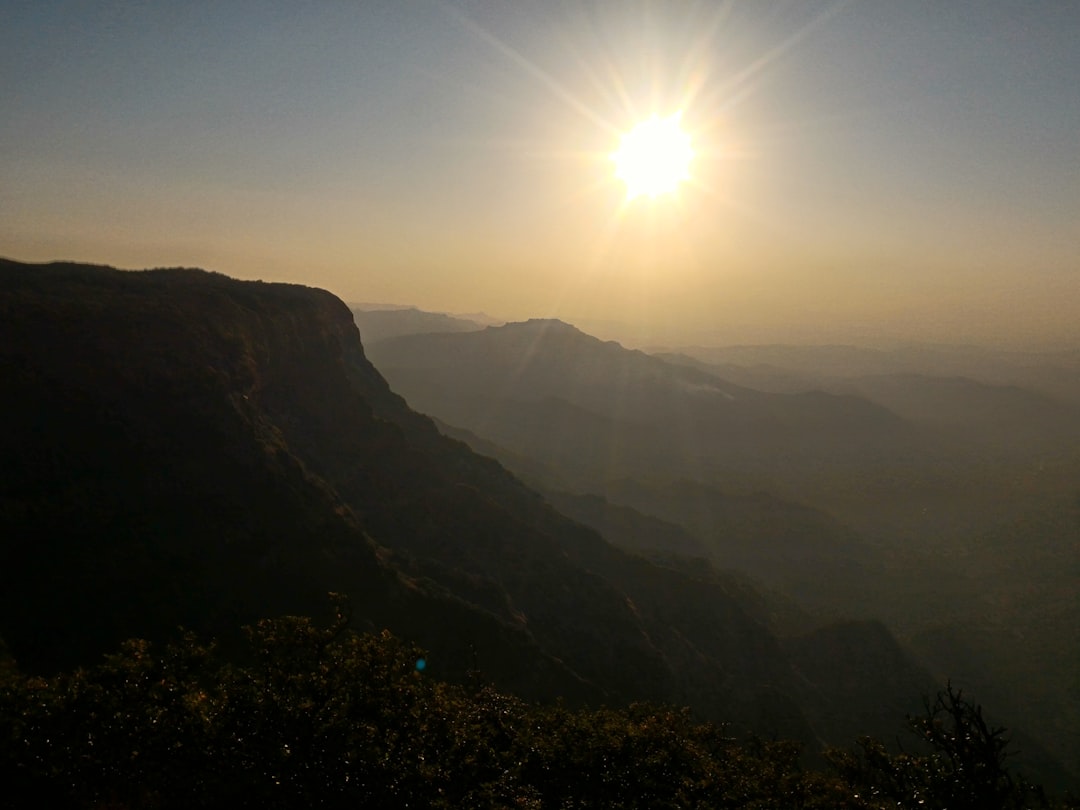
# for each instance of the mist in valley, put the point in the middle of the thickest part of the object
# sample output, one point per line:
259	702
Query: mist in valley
936	488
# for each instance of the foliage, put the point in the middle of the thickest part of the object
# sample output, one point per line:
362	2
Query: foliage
965	769
324	717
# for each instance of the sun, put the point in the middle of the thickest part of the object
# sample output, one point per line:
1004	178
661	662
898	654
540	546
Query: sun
654	157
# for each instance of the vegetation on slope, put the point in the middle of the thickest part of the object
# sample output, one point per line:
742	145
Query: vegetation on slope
188	449
307	716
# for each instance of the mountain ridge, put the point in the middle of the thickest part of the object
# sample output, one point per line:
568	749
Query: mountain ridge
208	451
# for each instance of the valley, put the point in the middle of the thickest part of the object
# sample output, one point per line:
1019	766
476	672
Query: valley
188	450
934	490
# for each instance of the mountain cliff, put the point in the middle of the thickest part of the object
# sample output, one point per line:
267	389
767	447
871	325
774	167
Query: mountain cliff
184	448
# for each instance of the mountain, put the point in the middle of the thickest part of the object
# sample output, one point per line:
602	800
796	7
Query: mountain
870	501
760	376
546	389
1052	373
969	615
1007	417
150	478
627	527
381	324
791	547
581	415
184	448
1001	448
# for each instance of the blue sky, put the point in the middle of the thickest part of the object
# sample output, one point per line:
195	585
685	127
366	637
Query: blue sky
865	171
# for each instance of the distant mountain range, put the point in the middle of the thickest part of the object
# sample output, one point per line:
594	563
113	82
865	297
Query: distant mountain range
576	414
1021	420
1056	373
185	449
855	482
377	324
614	412
882	452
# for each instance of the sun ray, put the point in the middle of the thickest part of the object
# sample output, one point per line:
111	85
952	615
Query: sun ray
660	195
531	68
740	85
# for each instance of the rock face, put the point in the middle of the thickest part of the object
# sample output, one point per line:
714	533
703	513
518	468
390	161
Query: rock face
150	481
181	448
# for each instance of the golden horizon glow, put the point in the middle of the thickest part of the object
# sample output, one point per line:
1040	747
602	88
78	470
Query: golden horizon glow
654	157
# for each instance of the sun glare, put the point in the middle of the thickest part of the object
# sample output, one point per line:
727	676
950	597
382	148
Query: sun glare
654	157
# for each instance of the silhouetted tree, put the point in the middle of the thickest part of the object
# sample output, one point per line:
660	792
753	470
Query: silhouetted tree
965	769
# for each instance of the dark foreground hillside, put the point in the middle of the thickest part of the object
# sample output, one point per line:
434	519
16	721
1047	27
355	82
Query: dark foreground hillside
327	718
148	482
181	448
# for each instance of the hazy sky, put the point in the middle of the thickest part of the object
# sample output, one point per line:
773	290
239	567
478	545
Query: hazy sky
863	170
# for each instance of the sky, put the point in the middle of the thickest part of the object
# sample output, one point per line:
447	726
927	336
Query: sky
864	172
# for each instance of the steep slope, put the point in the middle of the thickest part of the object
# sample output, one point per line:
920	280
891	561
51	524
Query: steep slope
792	547
597	418
185	448
636	628
841	657
628	528
146	484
